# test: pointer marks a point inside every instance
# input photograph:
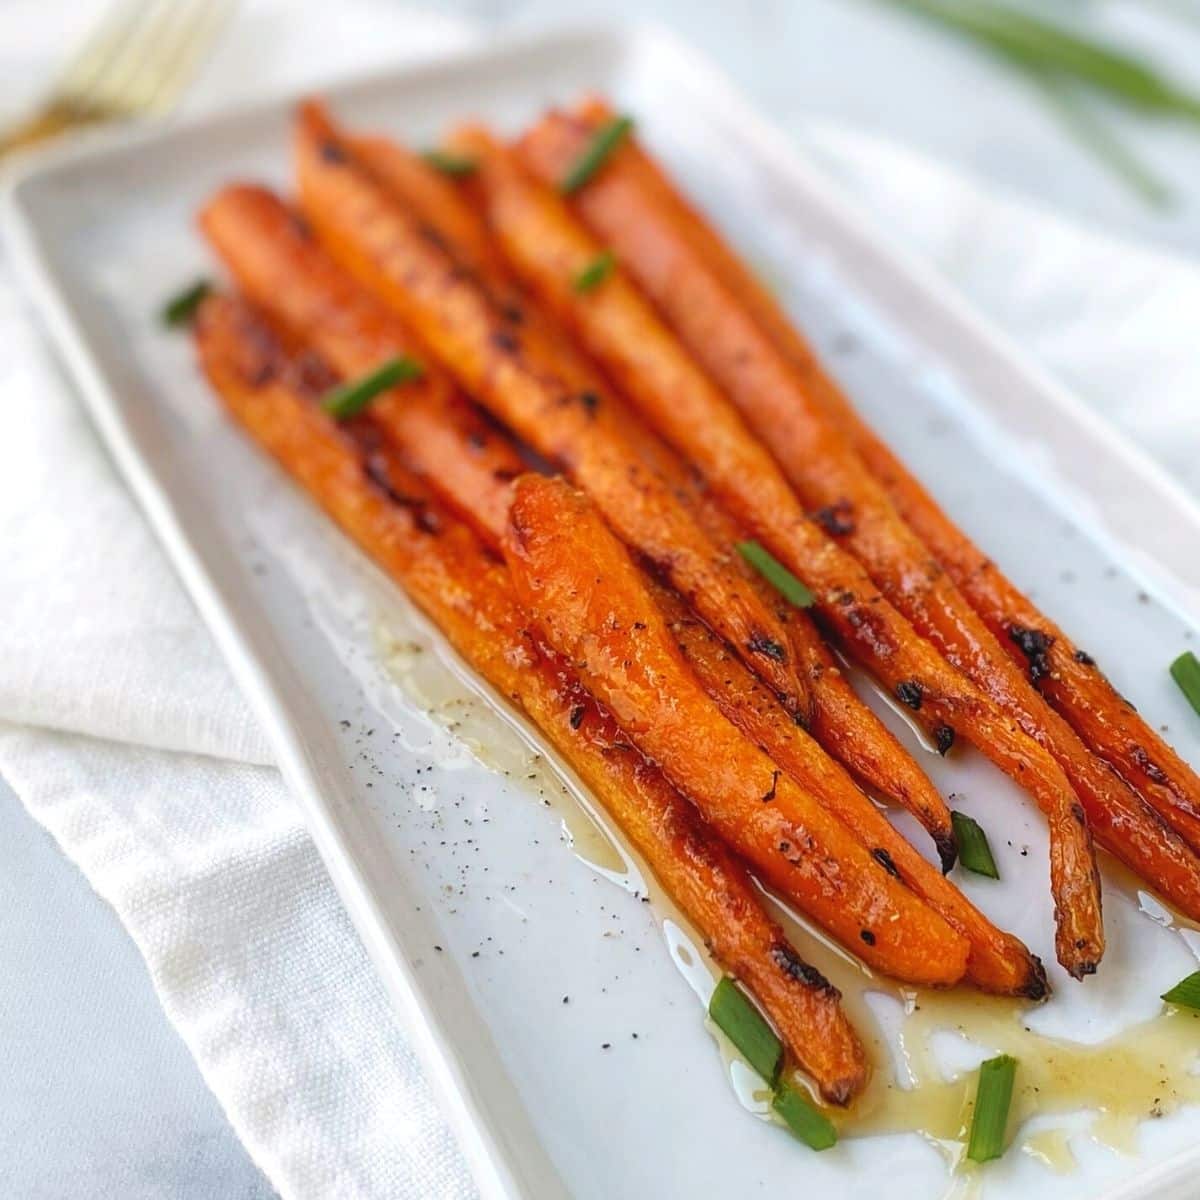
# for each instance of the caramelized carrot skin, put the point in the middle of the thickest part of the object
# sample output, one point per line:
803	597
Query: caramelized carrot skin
998	962
436	200
279	265
851	507
510	368
469	595
1069	678
548	250
578	582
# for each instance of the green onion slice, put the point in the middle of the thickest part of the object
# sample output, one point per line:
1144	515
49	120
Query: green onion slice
1185	670
351	398
1186	993
449	163
973	850
746	1028
776	574
596	272
180	309
989	1122
804	1119
605	140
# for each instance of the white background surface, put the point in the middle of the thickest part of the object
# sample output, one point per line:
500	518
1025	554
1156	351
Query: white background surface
93	1083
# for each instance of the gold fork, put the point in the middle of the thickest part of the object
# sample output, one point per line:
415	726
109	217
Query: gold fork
136	63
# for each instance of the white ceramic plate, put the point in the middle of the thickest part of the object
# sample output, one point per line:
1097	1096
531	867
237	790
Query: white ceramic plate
480	919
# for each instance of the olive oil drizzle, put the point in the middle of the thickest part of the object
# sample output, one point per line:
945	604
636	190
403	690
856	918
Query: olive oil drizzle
1146	1071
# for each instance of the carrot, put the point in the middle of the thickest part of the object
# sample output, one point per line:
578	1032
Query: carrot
1160	786
843	725
279	264
627	338
470	596
436	200
513	371
998	962
579	584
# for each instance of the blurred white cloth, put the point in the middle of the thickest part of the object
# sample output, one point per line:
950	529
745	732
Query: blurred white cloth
125	737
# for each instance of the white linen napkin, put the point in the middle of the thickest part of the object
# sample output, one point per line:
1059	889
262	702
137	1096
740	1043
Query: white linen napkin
125	737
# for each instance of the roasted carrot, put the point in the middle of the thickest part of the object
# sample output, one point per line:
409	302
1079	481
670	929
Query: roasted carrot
279	265
579	584
1068	676
512	370
435	199
842	723
998	962
648	361
1104	721
469	596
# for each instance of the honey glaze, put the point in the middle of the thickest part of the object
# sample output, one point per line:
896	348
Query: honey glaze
924	1045
1147	1071
497	738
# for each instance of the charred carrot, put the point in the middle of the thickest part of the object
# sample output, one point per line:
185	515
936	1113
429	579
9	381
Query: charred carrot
844	726
513	372
579	584
998	962
626	336
279	265
1156	778
469	595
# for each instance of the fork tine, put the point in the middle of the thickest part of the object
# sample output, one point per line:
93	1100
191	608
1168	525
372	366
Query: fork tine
115	89
188	53
96	54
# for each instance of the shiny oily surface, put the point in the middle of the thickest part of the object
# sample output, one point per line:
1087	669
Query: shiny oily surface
1144	1072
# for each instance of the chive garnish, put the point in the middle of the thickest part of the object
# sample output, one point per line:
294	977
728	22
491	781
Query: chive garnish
449	163
745	1027
605	140
1185	670
776	574
1186	993
596	272
351	398
989	1122
180	309
973	850
804	1119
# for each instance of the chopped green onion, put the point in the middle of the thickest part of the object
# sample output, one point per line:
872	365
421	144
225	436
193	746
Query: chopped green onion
1186	993
351	398
804	1119
596	272
746	1028
989	1122
1185	670
180	309
973	850
776	574
605	140
449	163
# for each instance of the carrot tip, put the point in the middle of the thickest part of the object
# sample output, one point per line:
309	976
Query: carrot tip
947	849
1038	987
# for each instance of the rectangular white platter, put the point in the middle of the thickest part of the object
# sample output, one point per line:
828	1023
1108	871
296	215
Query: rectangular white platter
477	914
